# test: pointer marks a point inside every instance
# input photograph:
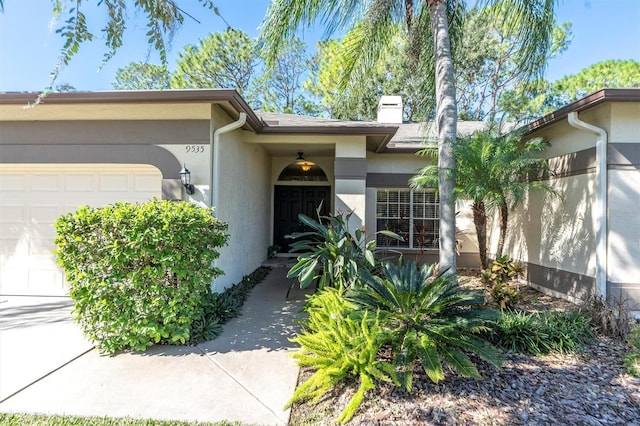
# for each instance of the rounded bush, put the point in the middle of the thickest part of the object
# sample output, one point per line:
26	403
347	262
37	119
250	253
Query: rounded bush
139	273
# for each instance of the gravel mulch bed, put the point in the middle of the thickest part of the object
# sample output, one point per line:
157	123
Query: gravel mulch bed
589	388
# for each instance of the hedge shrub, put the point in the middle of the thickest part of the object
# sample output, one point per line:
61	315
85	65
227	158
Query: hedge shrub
139	273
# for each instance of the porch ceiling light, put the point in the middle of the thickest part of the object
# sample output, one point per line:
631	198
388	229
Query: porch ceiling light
185	178
304	164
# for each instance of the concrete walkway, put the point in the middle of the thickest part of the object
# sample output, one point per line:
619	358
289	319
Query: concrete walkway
246	374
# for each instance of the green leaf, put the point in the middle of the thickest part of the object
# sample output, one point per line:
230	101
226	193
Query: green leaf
430	360
370	257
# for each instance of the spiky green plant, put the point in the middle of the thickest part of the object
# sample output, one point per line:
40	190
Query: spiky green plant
632	357
339	343
542	333
331	253
428	318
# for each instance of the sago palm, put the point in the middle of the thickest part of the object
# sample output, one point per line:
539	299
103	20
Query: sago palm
428	318
430	24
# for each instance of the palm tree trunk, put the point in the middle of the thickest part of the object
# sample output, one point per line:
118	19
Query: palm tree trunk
480	222
504	217
446	119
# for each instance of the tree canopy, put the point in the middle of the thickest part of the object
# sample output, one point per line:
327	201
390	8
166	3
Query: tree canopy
227	59
484	63
391	74
433	27
231	59
141	76
537	98
163	18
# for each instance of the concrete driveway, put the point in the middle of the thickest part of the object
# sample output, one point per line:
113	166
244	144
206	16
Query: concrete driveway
246	374
37	336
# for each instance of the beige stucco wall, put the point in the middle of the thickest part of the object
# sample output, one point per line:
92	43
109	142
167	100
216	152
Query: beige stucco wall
623	244
244	203
551	231
558	234
350	193
624	226
625	122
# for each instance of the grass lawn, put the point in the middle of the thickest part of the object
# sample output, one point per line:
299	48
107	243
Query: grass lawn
41	420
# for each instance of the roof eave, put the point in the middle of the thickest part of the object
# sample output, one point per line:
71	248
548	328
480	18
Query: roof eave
214	96
331	130
603	95
384	133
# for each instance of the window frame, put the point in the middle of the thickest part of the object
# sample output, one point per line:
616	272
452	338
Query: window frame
430	200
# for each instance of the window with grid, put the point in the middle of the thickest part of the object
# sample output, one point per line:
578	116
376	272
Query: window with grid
414	215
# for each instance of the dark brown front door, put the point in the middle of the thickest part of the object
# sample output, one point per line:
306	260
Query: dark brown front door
290	201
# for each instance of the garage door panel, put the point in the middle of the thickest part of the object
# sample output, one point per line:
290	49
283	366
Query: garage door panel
45	183
15	281
12	183
75	182
45	213
32	197
147	183
41	244
12	230
114	182
8	246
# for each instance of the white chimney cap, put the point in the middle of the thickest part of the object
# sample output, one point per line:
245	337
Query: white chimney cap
390	109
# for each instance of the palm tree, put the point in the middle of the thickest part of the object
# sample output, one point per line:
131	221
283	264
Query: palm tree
494	172
428	25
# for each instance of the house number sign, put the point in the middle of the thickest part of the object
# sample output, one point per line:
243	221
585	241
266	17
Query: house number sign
194	149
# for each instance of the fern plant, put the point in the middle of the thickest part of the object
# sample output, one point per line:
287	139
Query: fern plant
339	343
428	318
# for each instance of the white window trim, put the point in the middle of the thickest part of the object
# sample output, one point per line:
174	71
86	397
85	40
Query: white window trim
411	225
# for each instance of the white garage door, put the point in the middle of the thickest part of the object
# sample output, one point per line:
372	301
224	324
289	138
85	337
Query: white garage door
33	196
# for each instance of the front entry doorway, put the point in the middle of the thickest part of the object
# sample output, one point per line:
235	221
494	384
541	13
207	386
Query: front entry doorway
289	202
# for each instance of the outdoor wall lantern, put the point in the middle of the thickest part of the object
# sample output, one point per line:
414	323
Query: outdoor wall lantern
304	164
185	178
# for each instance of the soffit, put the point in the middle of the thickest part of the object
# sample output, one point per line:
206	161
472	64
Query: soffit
112	111
126	105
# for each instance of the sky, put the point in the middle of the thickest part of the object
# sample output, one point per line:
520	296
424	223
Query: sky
29	46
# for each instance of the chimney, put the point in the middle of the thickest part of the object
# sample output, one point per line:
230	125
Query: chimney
390	109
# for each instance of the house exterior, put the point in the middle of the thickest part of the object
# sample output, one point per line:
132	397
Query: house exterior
97	148
588	242
260	170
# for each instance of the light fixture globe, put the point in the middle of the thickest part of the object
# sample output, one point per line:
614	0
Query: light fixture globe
185	179
305	165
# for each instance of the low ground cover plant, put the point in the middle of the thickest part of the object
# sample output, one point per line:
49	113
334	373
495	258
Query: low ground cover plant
140	273
538	333
632	357
381	328
11	419
221	307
